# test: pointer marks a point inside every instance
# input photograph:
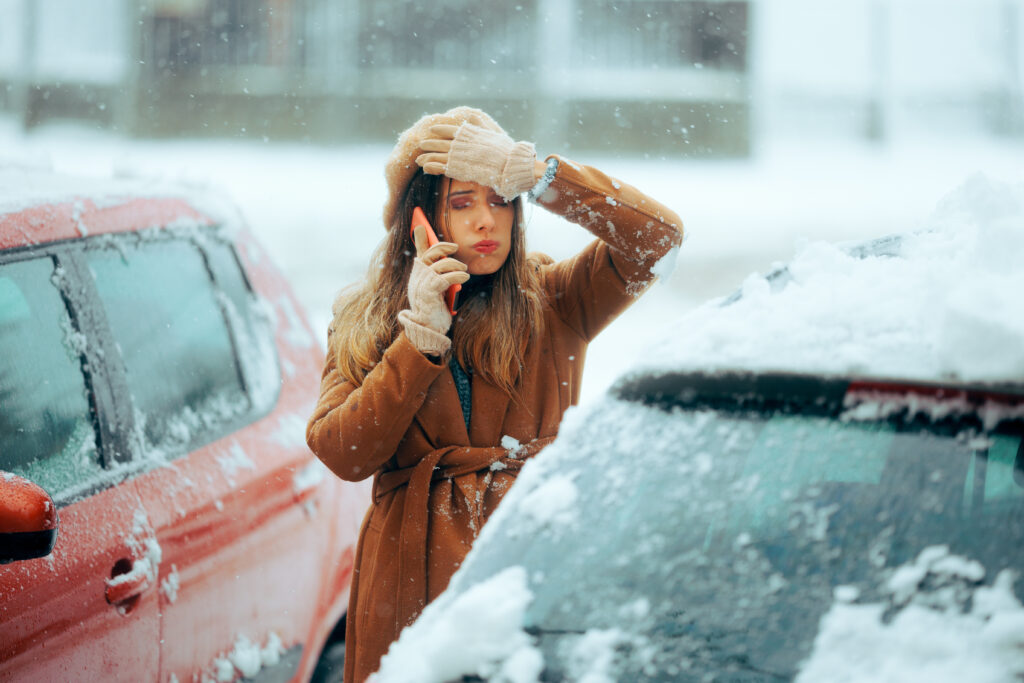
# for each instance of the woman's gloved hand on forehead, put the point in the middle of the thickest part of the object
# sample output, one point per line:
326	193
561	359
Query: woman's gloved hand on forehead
473	153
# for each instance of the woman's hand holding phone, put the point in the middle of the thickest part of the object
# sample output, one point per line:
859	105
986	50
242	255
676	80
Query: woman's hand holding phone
428	318
435	253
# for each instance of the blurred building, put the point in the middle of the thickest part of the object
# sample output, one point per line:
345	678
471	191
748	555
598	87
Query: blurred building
653	75
664	77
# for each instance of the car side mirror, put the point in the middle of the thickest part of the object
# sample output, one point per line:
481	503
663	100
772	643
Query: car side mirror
28	520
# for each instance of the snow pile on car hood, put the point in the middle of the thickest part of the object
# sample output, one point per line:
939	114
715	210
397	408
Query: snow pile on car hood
933	635
948	307
478	632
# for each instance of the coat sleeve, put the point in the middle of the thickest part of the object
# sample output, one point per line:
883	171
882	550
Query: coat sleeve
634	232
355	430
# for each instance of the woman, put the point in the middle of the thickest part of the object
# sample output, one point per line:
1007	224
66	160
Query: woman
442	411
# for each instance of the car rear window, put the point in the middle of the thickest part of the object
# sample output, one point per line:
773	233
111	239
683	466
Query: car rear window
46	430
718	538
166	317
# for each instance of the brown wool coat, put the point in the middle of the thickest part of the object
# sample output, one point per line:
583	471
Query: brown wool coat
434	484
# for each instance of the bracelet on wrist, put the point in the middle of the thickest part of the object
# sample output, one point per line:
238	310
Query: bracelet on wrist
545	180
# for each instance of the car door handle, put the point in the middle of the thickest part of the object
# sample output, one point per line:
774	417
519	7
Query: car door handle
132	584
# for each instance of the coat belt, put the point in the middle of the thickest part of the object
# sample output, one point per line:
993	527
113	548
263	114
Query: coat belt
458	463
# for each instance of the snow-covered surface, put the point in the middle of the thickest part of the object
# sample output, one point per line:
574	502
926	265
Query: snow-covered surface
247	658
291	430
552	503
934	636
256	333
478	628
235	460
170	585
309	476
616	501
947	308
590	660
871	406
477	632
146	554
25	186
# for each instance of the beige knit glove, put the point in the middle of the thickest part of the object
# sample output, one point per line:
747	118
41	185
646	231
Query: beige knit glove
492	159
427	319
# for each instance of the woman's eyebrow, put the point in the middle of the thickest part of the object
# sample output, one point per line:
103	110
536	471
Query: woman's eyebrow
453	194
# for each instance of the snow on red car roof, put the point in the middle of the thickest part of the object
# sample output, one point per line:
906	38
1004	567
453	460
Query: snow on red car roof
38	206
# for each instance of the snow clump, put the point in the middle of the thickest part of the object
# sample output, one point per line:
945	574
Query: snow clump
947	629
946	306
478	632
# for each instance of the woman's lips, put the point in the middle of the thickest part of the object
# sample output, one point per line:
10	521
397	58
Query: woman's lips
485	246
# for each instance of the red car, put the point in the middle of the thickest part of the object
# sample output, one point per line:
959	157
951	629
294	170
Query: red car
156	374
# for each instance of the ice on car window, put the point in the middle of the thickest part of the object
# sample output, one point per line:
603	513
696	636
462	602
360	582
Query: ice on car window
793	454
250	324
735	527
180	363
46	432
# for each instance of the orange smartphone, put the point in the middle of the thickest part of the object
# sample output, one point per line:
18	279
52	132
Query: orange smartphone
419	218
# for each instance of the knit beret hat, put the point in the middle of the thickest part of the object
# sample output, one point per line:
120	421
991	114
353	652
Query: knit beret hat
401	165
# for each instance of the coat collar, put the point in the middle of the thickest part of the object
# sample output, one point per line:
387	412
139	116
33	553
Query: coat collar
442	413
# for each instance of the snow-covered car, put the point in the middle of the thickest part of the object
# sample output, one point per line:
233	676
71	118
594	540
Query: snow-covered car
819	479
156	372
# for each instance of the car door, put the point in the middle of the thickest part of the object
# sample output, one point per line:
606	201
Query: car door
89	610
237	527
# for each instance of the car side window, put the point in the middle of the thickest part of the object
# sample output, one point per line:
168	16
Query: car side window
250	322
180	363
47	433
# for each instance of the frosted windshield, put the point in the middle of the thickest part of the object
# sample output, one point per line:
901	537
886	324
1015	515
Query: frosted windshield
719	538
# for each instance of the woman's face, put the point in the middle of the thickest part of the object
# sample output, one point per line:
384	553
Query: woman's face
480	222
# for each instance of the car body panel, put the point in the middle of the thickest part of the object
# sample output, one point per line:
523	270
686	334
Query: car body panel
50	607
248	538
68	220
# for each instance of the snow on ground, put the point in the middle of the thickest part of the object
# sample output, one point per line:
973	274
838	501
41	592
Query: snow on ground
317	208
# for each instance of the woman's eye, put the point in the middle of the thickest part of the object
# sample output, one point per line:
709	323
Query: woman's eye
498	201
461	203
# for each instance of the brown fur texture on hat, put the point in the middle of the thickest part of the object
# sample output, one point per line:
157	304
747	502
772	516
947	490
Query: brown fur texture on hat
401	165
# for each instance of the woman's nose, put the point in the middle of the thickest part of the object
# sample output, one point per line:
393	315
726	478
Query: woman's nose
485	218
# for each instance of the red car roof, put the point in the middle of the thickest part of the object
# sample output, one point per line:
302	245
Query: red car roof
38	207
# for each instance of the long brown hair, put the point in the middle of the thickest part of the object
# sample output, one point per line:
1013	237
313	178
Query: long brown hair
490	334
